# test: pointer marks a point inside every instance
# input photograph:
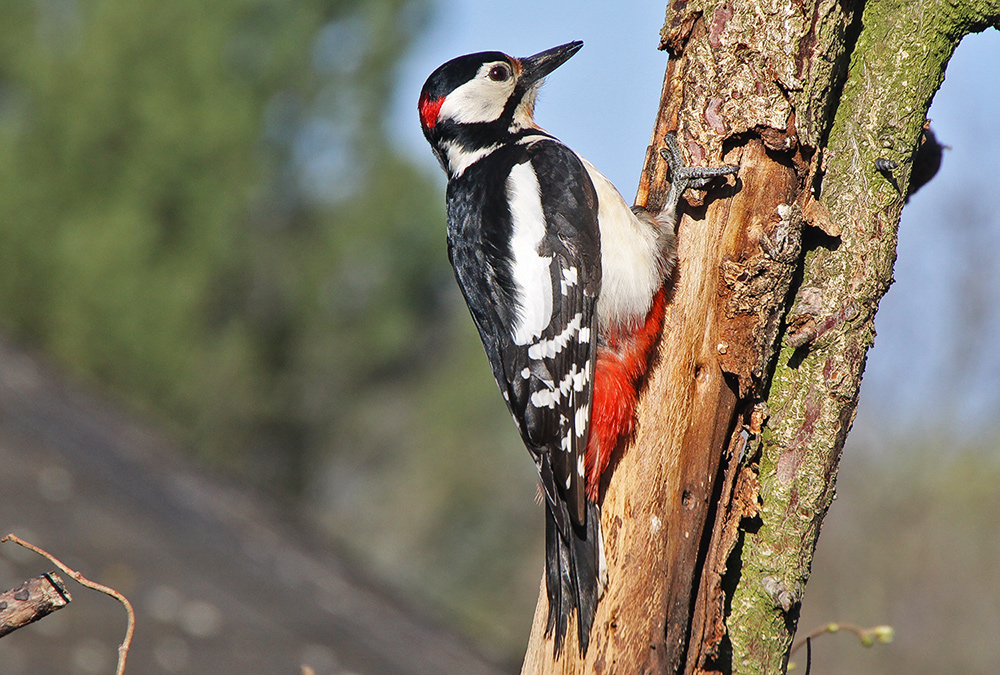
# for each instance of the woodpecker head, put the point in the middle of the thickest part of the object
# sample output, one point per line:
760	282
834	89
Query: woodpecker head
474	102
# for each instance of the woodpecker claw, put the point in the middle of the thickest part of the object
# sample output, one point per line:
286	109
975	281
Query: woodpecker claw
683	176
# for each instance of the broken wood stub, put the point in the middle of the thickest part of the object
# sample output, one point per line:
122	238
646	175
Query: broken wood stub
32	600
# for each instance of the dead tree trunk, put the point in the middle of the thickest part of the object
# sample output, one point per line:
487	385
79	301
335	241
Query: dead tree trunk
712	513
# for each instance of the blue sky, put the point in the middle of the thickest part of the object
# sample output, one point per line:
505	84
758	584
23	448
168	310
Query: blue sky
933	357
587	103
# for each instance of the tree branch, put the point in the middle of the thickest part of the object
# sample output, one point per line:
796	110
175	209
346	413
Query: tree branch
32	600
711	514
896	67
93	585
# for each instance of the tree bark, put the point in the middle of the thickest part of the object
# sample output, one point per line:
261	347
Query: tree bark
712	513
32	600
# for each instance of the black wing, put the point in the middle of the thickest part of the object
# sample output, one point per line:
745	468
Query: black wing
536	315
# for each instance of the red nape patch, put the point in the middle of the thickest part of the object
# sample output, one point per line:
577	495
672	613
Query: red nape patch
429	109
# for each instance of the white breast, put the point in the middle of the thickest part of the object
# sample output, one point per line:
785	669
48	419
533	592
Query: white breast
632	265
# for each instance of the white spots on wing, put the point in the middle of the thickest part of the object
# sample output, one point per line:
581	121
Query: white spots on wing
461	158
583	337
566	445
569	280
574	381
545	398
526	373
580	379
531	271
582	420
580	467
602	563
547	349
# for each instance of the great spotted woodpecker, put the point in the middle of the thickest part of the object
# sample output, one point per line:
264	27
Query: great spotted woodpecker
565	284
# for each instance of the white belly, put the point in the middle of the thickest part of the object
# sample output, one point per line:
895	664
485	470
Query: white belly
632	262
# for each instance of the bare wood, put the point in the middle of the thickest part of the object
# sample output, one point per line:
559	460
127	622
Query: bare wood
32	600
656	510
731	432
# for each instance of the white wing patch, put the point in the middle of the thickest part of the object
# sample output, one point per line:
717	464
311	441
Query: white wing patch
531	271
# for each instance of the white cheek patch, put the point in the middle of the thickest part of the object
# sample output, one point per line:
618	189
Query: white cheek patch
478	100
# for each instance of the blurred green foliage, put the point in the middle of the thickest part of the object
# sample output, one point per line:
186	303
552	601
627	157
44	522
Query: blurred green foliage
200	210
163	230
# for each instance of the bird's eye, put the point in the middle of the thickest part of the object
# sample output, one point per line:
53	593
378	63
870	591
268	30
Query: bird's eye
499	72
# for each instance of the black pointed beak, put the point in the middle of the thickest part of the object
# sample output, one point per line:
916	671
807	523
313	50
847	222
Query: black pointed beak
534	68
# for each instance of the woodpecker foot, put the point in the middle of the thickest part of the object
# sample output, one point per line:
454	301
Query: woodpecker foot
683	176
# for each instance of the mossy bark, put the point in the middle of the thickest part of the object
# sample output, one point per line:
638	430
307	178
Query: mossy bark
712	513
896	66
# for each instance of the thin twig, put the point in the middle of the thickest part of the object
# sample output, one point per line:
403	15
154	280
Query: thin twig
93	585
868	636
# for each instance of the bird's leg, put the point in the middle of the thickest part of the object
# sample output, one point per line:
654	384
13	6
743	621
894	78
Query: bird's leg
683	176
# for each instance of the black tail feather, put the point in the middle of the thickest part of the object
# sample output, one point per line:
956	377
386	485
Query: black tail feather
572	575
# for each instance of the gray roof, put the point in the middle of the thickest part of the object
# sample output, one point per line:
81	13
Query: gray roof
221	580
